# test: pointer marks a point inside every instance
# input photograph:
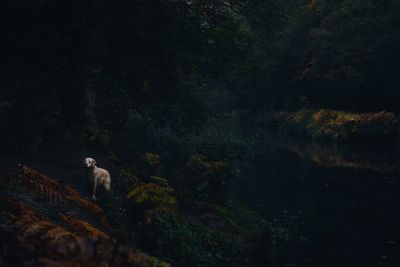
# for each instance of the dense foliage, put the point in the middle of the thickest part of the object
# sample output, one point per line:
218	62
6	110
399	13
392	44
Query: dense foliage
337	55
44	223
126	69
375	128
164	94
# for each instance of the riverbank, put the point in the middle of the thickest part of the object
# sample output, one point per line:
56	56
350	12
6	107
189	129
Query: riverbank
336	126
138	222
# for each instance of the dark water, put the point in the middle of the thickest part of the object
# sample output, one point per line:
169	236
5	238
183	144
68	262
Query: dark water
340	205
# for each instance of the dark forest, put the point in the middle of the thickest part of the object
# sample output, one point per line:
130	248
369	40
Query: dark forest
230	133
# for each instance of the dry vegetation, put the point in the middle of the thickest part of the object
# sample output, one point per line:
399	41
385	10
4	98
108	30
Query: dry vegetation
48	224
337	125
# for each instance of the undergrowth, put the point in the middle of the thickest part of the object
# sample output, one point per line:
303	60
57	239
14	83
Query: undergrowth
337	126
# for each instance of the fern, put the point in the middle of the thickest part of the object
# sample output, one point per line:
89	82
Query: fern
160	197
84	227
160	180
42	237
49	189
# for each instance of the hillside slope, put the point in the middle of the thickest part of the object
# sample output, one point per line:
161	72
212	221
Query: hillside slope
45	223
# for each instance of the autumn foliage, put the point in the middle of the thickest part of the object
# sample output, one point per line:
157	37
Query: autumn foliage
44	223
337	125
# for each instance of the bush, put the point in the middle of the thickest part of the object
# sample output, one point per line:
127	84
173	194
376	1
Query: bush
147	198
208	180
337	126
233	241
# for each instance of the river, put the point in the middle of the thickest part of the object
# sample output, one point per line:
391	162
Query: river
340	205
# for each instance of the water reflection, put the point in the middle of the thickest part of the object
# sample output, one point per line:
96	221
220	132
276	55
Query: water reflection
377	158
344	201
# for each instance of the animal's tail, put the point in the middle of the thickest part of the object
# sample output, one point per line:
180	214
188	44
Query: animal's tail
107	186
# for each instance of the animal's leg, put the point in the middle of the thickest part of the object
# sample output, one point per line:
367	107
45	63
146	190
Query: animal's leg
94	188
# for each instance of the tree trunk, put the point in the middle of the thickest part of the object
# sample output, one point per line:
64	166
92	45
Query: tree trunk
93	83
95	56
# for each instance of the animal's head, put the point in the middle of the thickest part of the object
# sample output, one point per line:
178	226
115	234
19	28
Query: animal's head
89	162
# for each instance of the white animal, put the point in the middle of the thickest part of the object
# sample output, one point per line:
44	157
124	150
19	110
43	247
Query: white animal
97	176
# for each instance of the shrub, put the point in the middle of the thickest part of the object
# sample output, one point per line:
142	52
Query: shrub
191	243
337	125
151	197
207	179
